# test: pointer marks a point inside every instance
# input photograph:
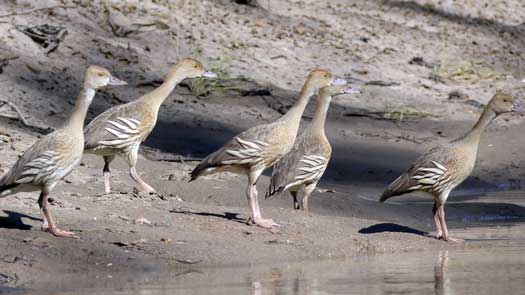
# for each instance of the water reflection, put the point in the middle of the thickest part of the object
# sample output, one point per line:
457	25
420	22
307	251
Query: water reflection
474	271
441	283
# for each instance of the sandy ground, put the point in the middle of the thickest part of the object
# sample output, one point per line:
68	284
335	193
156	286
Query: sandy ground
426	68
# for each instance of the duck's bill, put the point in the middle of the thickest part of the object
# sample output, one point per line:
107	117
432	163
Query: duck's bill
519	108
338	82
208	74
116	82
350	90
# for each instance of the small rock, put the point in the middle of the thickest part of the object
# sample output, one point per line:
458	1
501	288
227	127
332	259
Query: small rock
457	95
139	242
121	244
419	61
300	29
285	242
166	240
125	218
142	221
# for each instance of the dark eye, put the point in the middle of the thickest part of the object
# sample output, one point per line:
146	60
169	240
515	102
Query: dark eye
505	100
196	66
100	74
326	76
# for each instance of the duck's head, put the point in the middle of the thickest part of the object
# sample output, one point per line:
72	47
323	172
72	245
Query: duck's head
505	102
322	78
335	90
191	68
97	77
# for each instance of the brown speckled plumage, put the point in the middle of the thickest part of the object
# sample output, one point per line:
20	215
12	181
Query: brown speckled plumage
55	155
98	140
120	130
302	167
258	148
442	169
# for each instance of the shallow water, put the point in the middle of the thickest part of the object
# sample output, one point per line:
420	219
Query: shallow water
499	270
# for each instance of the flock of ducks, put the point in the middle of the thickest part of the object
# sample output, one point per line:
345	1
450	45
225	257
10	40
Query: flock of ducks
298	162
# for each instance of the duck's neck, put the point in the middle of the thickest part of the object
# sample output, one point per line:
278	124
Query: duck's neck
319	119
76	119
157	96
294	114
474	134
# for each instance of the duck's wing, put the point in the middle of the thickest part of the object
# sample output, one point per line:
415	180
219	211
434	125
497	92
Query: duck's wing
429	173
303	165
44	163
119	127
248	148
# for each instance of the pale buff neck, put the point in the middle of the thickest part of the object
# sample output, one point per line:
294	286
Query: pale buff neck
474	135
76	119
318	122
156	97
293	117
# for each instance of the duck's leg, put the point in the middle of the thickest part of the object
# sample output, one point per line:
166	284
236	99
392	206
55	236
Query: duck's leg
295	201
251	194
435	213
107	173
446	236
143	186
307	191
48	224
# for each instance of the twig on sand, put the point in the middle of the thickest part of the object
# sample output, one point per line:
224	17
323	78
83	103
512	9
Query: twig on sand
186	261
373	82
21	118
5	61
382	83
17	111
179	159
29	11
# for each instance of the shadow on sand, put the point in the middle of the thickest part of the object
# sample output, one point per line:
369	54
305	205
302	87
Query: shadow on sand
227	215
13	220
454	17
391	228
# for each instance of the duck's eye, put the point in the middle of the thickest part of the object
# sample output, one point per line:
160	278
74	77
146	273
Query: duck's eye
196	66
326	76
101	74
505	100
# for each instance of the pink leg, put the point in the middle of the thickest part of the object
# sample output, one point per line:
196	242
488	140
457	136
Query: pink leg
143	186
48	224
307	191
446	237
439	231
255	211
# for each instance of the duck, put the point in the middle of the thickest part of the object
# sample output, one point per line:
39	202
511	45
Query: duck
441	169
300	170
259	148
56	154
120	130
